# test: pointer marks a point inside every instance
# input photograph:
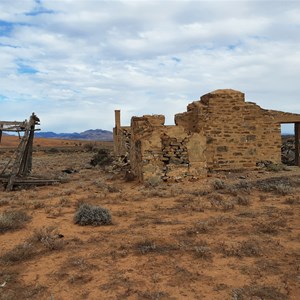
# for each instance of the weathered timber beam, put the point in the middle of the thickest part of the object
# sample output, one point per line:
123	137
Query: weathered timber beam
18	130
13	129
12	123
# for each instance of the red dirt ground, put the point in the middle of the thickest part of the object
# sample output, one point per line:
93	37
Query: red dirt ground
230	236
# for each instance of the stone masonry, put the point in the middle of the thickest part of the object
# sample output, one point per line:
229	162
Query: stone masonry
219	132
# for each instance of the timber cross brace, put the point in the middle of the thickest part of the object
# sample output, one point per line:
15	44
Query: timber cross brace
20	164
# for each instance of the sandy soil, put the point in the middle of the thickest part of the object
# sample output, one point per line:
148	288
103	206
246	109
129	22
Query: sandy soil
230	236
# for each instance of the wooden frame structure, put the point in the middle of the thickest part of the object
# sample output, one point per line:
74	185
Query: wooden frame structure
20	165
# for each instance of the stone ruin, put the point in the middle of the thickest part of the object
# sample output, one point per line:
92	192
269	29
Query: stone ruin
219	132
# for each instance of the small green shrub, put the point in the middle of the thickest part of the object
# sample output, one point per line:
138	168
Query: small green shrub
92	215
153	181
276	167
13	220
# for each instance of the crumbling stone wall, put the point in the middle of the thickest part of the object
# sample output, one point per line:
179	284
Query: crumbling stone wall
219	132
238	133
122	140
167	152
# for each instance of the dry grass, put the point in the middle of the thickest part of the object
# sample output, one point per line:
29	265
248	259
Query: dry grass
43	240
188	240
11	220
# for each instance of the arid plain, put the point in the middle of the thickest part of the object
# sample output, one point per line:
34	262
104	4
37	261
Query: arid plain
233	235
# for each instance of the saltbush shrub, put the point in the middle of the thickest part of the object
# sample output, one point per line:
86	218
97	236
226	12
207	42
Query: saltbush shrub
92	215
219	184
102	158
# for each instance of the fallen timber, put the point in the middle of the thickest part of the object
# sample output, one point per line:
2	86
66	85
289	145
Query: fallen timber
19	167
29	181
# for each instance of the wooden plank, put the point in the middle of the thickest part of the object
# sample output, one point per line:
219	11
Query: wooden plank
12	123
297	144
13	129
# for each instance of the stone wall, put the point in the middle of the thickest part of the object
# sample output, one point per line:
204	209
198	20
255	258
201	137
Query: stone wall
167	152
238	133
219	132
122	140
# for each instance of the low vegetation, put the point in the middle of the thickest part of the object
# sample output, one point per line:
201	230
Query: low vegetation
41	241
169	240
13	220
102	158
92	215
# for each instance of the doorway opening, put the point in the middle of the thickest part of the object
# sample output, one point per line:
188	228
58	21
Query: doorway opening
290	135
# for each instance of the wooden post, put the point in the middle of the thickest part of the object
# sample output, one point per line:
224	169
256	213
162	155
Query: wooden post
116	131
117	119
297	144
26	163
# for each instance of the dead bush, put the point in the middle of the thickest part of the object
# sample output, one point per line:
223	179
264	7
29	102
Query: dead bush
243	186
271	227
49	237
219	184
19	253
219	203
243	200
78	263
92	215
203	252
90	147
199	228
292	201
80	279
258	292
13	220
281	185
42	240
4	202
145	246
248	248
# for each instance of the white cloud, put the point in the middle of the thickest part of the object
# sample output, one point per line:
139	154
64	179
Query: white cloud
144	57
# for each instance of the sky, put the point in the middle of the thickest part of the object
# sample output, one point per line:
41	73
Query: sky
73	62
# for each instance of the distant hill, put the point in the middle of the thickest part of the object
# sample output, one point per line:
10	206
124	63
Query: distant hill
92	134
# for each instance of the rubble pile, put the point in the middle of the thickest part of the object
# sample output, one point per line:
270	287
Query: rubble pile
288	151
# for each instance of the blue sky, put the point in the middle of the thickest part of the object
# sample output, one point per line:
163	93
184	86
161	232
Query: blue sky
73	62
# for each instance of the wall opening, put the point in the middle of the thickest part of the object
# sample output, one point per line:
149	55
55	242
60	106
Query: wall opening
290	134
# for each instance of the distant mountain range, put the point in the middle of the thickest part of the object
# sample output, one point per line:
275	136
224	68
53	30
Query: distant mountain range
92	134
